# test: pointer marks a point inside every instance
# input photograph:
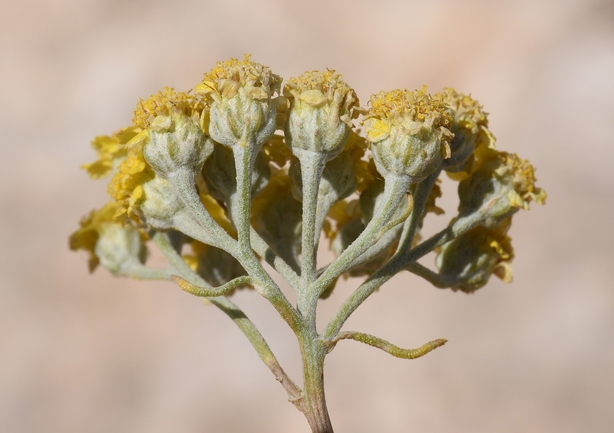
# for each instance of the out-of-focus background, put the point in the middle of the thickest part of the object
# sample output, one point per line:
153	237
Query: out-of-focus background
91	353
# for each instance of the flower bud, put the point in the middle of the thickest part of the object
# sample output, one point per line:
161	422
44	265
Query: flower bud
176	139
408	132
468	122
322	107
503	184
159	204
242	109
114	246
473	257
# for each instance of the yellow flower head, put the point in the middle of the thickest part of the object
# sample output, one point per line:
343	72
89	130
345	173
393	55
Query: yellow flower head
101	223
523	175
322	107
85	238
240	94
469	120
318	89
111	150
409	132
155	112
503	184
225	80
473	257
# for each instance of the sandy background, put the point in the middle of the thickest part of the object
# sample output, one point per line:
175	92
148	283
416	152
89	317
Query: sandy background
82	353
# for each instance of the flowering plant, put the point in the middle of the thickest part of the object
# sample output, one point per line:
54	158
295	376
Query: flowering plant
241	171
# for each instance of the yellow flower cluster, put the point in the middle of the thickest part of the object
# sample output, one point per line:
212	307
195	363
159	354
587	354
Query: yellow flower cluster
470	259
405	133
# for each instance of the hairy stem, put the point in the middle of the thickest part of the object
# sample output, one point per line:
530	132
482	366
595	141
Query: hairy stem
314	401
312	166
394	190
266	287
237	315
398	262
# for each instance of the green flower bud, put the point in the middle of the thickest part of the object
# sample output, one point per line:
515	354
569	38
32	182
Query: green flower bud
220	175
175	142
473	257
119	248
322	107
109	243
408	132
171	134
503	184
159	205
242	109
469	121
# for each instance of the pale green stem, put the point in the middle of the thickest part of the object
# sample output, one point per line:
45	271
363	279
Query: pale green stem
237	316
392	267
432	277
313	352
240	209
183	180
421	193
395	189
390	348
312	166
244	163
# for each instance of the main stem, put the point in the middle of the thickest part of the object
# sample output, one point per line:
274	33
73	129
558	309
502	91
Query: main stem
314	400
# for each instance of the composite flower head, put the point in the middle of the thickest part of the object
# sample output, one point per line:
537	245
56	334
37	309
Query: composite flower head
241	94
469	123
322	107
409	133
176	139
469	260
501	185
107	242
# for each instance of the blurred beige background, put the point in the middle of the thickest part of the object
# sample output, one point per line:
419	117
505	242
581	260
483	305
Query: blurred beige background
90	353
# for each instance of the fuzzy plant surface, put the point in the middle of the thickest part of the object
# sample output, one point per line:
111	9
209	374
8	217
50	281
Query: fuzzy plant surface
241	171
